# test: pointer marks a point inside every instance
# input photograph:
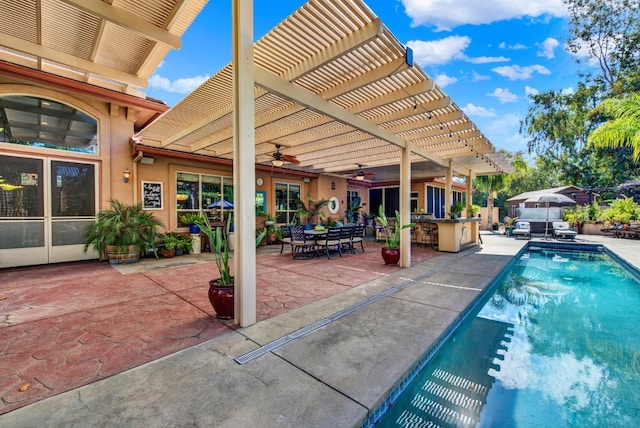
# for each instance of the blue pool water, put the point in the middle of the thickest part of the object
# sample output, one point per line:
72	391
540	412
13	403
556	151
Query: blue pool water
555	345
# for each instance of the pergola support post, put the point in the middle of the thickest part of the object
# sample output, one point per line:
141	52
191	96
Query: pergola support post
405	206
243	162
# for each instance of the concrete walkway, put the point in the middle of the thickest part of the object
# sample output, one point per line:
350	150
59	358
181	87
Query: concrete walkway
333	376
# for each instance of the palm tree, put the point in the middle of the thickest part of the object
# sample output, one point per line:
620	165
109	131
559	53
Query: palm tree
623	130
490	184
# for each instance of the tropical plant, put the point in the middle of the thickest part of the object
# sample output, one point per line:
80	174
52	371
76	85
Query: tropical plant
353	210
185	242
456	209
474	210
191	218
170	241
491	184
391	232
311	209
220	248
575	217
122	225
624	127
622	210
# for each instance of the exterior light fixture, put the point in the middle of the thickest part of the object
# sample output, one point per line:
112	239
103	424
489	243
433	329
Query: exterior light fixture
360	176
125	175
277	162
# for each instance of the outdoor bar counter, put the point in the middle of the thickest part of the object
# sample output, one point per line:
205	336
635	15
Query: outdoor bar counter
455	234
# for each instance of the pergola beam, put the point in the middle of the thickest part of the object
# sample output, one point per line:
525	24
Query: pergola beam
285	89
124	19
80	64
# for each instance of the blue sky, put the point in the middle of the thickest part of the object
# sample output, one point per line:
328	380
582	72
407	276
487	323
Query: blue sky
487	55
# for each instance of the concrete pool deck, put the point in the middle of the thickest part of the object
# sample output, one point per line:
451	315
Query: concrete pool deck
333	376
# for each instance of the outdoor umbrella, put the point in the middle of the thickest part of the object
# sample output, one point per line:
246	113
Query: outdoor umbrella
221	204
556	198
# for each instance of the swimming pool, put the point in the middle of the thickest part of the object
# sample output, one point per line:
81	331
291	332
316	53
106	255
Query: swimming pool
553	343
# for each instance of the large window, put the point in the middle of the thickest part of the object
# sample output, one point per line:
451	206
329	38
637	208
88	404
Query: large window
287	196
388	197
39	122
195	192
435	201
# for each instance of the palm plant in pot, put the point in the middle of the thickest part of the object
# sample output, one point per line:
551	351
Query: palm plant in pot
221	290
122	232
391	249
190	219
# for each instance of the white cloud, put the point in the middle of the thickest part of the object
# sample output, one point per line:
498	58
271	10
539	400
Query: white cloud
516	72
443	80
182	86
547	48
439	51
568	91
474	110
528	90
442	51
448	14
476	77
503	95
515	47
487	59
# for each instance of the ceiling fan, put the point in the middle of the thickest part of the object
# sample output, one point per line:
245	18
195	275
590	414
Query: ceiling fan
361	175
280	158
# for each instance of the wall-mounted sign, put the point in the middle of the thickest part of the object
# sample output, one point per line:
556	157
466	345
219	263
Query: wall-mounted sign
152	195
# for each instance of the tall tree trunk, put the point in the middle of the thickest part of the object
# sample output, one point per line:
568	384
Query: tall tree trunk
490	209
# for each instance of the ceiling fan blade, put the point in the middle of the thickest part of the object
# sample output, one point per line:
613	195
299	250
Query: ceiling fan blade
290	159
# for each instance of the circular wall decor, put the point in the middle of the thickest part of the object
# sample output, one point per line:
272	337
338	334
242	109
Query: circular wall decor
259	181
334	205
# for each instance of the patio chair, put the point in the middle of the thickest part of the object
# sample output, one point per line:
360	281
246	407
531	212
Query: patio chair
286	237
358	237
302	248
331	241
561	229
345	238
523	228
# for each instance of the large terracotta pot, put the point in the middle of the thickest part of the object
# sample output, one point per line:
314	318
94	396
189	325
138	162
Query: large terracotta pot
221	298
391	256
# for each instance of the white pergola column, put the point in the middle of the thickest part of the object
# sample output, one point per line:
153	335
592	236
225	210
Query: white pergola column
405	206
244	163
448	190
470	177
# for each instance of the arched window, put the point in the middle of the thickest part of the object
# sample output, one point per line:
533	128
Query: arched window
39	122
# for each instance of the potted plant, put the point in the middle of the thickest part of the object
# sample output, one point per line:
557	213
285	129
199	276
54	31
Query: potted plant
509	225
272	235
122	232
369	218
474	210
391	249
353	210
170	241
270	220
184	245
190	220
311	210
221	290
456	209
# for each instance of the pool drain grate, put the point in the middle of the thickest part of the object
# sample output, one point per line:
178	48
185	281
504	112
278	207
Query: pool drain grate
258	352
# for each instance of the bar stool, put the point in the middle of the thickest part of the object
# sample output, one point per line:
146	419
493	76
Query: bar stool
427	235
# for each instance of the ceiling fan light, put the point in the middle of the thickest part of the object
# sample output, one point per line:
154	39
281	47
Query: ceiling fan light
277	162
360	177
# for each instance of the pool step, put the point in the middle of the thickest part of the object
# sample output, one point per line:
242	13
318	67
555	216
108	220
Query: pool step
445	399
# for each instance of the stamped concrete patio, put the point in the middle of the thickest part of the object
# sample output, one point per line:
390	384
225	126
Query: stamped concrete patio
67	325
